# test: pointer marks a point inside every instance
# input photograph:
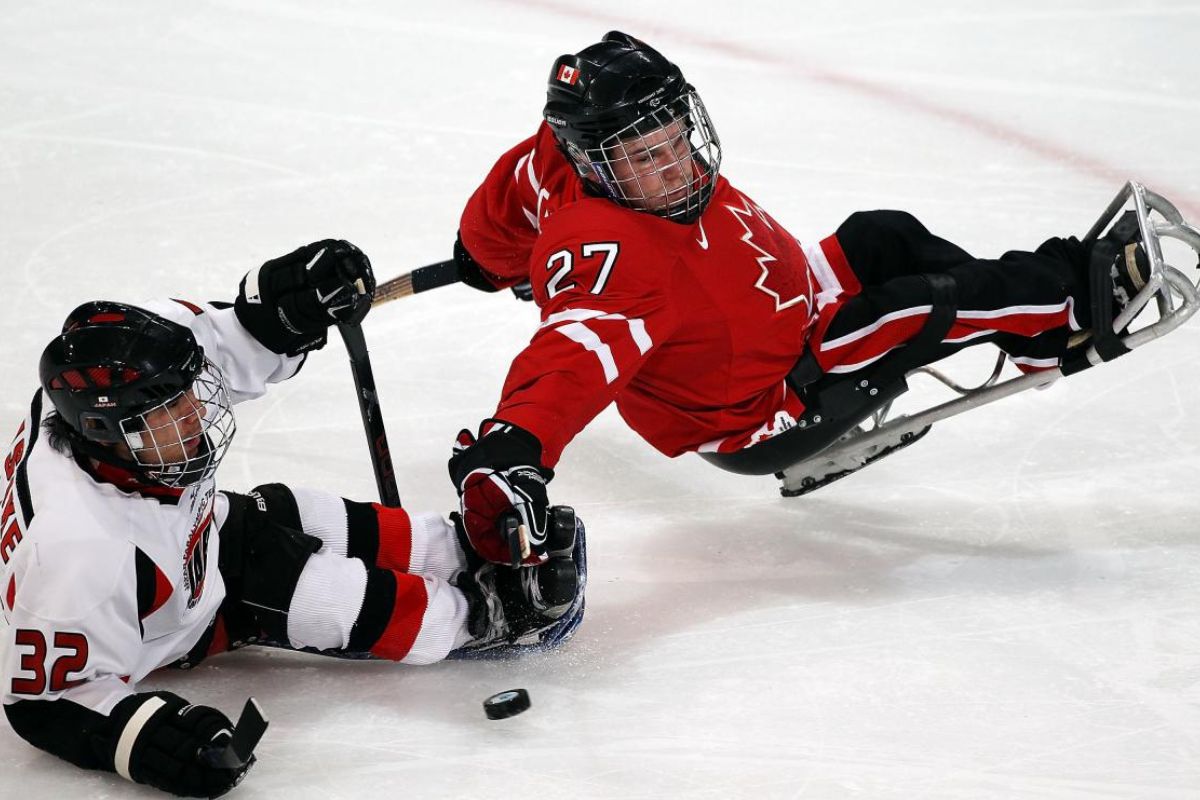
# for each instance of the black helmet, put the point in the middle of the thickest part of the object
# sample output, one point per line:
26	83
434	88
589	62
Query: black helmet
112	368
619	100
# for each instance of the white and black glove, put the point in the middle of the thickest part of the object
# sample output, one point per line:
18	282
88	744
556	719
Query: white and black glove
168	744
288	303
502	493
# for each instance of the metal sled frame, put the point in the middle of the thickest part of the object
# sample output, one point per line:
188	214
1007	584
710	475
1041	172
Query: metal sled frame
1177	299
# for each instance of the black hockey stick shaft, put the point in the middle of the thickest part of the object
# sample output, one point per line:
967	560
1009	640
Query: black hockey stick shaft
421	279
250	727
372	415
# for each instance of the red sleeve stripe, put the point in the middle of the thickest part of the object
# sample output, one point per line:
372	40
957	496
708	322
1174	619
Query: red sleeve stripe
395	538
405	623
192	307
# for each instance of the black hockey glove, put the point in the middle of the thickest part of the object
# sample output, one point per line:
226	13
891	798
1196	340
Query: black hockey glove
502	493
475	276
168	744
288	303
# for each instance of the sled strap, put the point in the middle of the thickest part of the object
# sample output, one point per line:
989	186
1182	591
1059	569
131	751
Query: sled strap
1107	343
926	346
923	348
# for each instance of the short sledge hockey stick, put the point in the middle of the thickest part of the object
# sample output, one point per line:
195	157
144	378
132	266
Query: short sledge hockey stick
250	727
421	279
372	415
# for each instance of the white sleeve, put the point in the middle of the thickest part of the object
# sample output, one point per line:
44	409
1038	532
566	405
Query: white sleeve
248	366
73	632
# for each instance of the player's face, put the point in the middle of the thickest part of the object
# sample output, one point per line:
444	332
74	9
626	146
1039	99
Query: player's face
654	171
172	432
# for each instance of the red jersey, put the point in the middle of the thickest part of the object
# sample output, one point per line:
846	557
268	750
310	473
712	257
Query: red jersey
691	329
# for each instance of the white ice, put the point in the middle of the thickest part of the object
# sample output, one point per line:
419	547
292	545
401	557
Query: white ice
1008	609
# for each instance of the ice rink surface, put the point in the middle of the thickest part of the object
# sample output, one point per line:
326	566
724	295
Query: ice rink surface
1009	609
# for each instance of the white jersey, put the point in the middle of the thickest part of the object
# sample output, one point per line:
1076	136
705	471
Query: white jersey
101	586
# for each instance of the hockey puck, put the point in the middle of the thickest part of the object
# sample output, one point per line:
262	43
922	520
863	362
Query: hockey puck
506	704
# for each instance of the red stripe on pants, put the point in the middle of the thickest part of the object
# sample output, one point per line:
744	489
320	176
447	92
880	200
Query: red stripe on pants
407	614
395	538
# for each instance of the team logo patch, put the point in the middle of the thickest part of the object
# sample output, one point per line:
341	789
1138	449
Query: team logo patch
195	555
567	74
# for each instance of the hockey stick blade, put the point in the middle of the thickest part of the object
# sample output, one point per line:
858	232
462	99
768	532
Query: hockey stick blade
421	279
250	727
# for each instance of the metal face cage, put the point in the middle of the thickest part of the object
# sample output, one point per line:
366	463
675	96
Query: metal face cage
665	163
182	440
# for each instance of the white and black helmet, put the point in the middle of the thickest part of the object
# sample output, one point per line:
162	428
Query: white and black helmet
108	373
605	105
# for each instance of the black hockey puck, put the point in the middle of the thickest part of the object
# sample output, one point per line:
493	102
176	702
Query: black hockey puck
506	704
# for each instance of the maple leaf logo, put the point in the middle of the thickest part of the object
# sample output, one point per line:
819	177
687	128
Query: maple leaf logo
785	285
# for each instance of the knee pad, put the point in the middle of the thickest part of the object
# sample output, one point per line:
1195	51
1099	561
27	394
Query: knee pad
278	503
273	560
263	552
879	227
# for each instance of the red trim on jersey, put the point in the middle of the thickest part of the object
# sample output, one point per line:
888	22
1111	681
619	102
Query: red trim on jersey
836	257
407	614
10	596
162	592
395	538
192	307
220	640
126	481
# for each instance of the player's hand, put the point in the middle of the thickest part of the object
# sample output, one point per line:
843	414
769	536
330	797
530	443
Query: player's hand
169	739
475	276
288	303
502	493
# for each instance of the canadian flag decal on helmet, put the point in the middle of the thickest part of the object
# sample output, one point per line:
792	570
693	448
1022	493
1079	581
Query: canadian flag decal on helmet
567	74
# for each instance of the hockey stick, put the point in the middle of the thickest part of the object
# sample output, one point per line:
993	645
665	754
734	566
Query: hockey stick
250	727
421	279
372	415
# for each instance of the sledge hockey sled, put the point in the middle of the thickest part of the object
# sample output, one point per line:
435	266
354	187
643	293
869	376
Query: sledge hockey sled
849	423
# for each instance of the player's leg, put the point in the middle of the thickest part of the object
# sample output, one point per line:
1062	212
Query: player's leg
290	588
298	591
881	245
1008	300
422	543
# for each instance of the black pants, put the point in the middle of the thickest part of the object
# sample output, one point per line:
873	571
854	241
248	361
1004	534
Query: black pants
1025	302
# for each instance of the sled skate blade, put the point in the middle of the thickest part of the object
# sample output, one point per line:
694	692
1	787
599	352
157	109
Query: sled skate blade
843	458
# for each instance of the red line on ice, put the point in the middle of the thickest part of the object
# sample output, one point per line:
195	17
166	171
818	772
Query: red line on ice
1070	157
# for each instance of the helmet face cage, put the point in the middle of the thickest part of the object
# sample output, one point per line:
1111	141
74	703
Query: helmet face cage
182	440
665	162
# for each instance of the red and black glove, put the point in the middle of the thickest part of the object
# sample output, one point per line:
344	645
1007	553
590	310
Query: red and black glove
502	493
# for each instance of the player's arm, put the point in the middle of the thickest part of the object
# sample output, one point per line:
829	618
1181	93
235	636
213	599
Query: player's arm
67	676
283	310
499	225
598	327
